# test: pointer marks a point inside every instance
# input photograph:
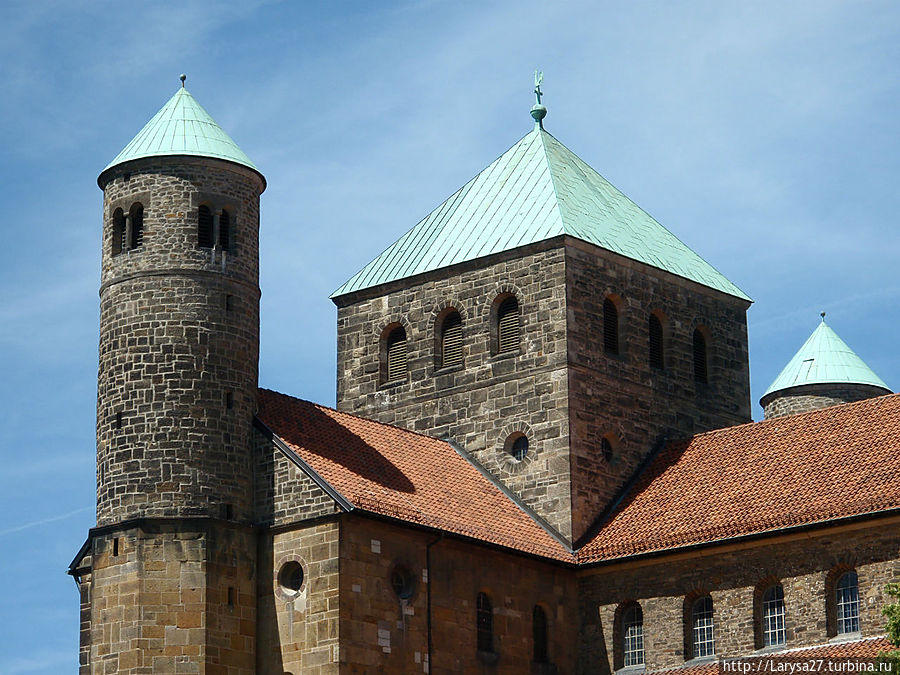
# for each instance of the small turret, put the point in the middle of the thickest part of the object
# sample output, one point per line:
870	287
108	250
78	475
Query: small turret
824	372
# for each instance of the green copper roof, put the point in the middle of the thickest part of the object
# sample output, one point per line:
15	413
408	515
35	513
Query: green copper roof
825	359
536	190
182	127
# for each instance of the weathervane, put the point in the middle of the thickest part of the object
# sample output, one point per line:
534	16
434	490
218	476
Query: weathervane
538	111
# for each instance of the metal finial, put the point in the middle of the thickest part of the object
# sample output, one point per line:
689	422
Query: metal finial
183	77
823	316
538	111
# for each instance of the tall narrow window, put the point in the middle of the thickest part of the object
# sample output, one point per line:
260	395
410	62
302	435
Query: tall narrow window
704	643
508	325
204	227
118	233
773	616
484	623
610	327
137	226
451	340
847	603
701	373
225	231
539	632
656	343
395	355
633	636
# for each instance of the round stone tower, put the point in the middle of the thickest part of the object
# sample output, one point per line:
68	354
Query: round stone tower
823	373
179	322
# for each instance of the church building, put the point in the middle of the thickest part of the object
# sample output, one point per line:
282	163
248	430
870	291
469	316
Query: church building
542	458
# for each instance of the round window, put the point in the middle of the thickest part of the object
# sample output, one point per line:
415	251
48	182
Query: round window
290	578
517	446
403	581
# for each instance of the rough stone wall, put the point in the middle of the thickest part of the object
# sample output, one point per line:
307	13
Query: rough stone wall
284	494
488	398
619	396
382	633
299	633
815	396
179	340
173	598
806	566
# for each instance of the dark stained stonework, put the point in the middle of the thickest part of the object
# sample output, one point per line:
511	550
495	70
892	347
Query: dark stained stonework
794	400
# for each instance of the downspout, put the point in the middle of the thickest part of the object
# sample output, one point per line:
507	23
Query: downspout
428	595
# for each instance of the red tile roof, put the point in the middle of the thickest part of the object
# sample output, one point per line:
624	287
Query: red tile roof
867	648
759	477
401	474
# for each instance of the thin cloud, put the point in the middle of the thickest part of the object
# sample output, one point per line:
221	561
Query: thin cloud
45	521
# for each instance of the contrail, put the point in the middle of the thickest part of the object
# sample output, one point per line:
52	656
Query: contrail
36	523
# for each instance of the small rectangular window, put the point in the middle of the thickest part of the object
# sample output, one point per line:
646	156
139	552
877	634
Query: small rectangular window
231	596
115	546
229	400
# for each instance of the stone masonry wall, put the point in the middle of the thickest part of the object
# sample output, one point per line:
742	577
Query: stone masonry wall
179	340
806	566
619	396
381	632
299	632
173	598
488	398
815	396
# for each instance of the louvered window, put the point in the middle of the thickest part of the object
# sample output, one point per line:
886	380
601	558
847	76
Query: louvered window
224	231
656	343
205	227
137	226
118	237
484	623
395	369
700	366
451	341
610	327
539	630
508	325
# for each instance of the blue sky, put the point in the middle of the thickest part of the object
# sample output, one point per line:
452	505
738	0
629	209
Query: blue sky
764	134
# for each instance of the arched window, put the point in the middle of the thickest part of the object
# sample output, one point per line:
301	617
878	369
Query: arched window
846	603
484	623
517	445
701	373
773	616
702	638
205	227
607	447
225	234
539	633
395	355
632	633
451	346
610	327
508	325
118	234
137	226
657	359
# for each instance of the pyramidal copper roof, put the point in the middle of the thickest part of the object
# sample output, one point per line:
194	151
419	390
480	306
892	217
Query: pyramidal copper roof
182	127
536	190
825	359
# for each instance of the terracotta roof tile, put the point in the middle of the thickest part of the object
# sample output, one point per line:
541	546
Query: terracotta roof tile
393	472
866	648
764	476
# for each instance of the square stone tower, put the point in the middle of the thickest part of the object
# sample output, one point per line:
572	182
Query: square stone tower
550	327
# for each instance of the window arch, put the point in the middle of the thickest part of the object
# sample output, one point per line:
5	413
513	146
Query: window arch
657	346
610	327
450	344
846	603
539	635
772	615
205	227
394	357
701	368
516	444
484	623
225	233
702	636
118	234
631	636
136	238
507	325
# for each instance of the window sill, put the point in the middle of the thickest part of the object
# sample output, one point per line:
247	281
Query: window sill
697	660
631	670
846	637
449	369
771	649
543	668
488	658
506	355
393	384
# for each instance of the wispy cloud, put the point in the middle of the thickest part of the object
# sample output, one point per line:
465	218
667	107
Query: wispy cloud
43	521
